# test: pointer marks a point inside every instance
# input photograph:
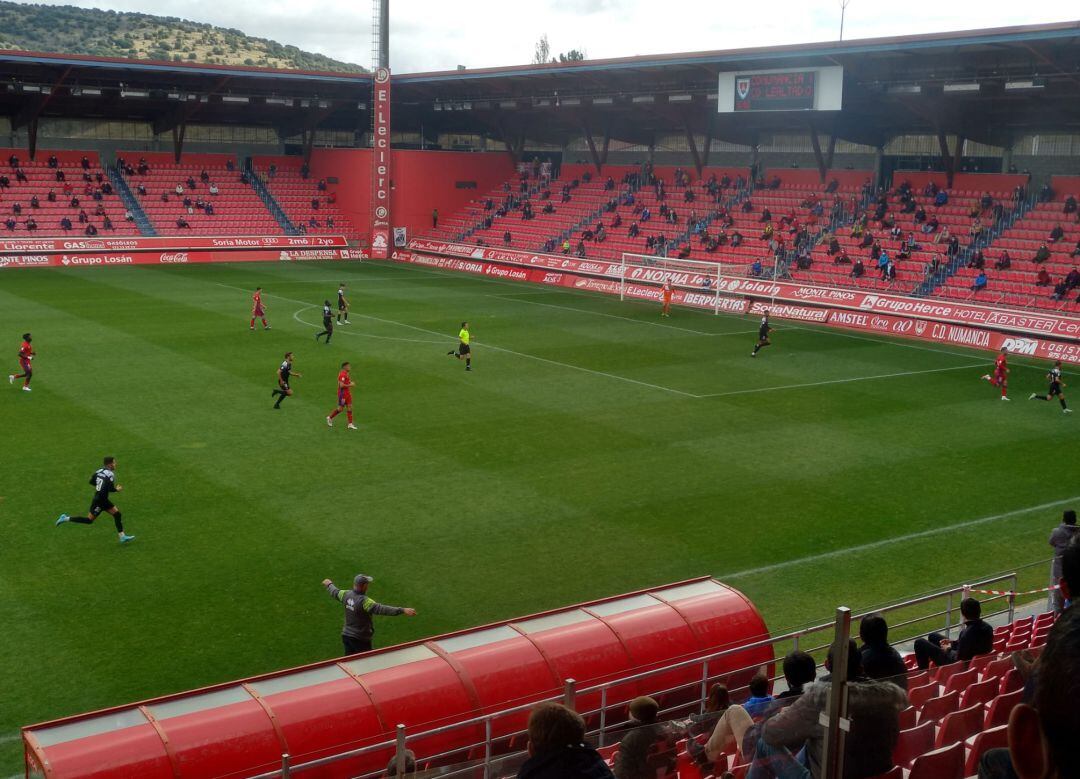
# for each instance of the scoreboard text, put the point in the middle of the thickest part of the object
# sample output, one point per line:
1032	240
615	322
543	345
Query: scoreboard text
791	91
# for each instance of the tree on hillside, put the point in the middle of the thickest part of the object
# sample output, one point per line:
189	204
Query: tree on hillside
572	56
542	52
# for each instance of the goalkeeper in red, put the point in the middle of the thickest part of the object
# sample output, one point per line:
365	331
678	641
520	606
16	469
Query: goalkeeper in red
1057	387
1000	378
26	371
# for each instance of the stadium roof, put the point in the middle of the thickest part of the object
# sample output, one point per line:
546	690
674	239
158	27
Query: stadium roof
891	86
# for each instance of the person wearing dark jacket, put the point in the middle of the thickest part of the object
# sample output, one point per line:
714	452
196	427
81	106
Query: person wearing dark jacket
879	659
976	638
648	747
873	710
358	630
557	748
1060	539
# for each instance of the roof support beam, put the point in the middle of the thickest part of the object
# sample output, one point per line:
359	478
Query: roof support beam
185	112
30	113
599	158
708	141
822	164
31	136
178	132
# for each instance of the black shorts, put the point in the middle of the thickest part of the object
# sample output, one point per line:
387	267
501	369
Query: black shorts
1055	389
284	385
328	323
341	306
463	349
97	506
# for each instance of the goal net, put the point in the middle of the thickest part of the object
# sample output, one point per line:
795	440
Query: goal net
698	283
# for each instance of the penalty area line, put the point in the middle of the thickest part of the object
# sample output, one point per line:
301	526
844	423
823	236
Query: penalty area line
841	381
887	542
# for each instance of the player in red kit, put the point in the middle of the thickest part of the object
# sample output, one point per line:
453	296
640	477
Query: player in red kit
26	354
665	294
344	396
1001	373
258	311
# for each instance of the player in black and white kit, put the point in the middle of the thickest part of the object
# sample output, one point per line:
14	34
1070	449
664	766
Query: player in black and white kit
1056	388
284	373
763	335
327	322
342	304
104	483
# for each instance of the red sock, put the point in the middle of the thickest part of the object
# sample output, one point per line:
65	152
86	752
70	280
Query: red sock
349	415
253	322
264	322
20	375
335	412
1004	390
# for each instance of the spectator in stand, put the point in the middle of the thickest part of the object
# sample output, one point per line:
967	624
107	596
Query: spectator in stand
566	246
1059	291
879	659
85	162
31	223
271	171
648	749
204	177
1042	278
164	197
557	748
435	217
976	638
409	768
13	161
107	224
758	702
10	223
190	182
244	177
313	223
60	176
986	201
507	238
214	189
580	249
84	218
144	168
1060	538
330	222
305	171
16	209
53	162
91	230
1043	733
889	274
106	188
208	209
978	260
1042	254
1072	279
766	215
65	224
1056	234
20	175
980	282
179	190
34	202
941	198
321	186
1070	205
230	165
182	223
873	710
1004	262
141	189
858	269
5	182
1046	194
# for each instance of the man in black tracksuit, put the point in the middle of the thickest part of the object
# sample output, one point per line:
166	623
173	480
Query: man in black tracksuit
358	630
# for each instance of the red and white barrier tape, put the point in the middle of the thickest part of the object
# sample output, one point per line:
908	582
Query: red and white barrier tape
1007	592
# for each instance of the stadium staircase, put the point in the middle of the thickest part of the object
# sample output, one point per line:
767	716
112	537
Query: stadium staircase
296	196
268	199
41	180
132	205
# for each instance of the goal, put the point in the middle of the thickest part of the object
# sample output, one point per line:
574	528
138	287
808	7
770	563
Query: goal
705	283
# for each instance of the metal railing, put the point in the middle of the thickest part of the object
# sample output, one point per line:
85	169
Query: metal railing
685	698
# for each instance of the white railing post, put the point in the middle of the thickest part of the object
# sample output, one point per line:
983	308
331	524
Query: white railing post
285	772
948	618
603	715
400	750
704	686
487	748
569	693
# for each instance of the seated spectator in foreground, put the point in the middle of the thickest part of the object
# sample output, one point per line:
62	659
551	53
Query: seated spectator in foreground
1004	262
759	700
1042	278
128	216
107	224
214	189
10	223
976	638
873	709
182	223
879	659
648	749
1059	291
978	260
91	230
557	748
1072	279
31	223
141	189
1042	255
65	224
1070	205
1056	234
858	269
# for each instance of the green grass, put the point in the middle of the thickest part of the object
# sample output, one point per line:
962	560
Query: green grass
524	485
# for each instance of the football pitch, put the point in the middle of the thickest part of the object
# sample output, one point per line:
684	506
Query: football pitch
594	449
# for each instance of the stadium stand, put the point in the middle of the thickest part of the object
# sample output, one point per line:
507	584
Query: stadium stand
310	209
237	209
106	215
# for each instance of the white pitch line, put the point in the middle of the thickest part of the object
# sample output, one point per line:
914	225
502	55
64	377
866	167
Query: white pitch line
886	542
11	737
487	346
840	381
616	316
296	317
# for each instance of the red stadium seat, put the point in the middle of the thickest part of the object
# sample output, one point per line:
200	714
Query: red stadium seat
980	692
993	738
1011	681
997	668
979	662
917	696
935	709
945	672
945	763
908	718
961	681
918	679
997	713
960	725
912	743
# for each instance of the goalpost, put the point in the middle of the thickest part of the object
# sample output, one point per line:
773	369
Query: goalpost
702	277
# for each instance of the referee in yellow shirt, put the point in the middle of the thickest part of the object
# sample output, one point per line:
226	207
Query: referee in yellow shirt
463	349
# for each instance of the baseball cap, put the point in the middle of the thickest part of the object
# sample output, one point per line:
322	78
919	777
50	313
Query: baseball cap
361	579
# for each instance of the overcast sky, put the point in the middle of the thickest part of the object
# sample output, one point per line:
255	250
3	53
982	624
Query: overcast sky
442	34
